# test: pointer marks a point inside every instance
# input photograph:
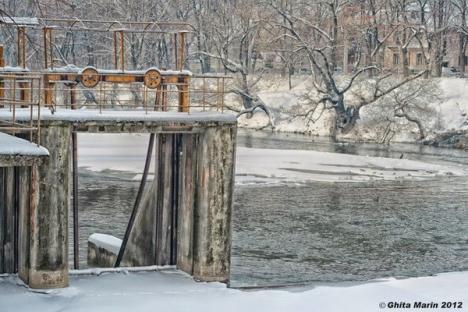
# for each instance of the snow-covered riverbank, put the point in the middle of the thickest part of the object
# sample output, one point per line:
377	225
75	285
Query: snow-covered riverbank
448	106
173	291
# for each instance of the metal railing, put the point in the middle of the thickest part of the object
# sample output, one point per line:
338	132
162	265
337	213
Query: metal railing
205	93
27	91
20	92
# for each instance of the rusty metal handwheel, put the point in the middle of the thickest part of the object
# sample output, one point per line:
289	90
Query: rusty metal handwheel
89	77
152	78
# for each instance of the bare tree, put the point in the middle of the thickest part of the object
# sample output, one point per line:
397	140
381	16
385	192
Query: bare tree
461	8
412	105
321	56
234	33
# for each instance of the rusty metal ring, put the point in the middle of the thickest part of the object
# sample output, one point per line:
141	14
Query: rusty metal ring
89	77
152	78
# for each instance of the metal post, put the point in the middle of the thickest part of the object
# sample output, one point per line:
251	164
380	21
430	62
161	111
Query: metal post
115	51
76	254
76	236
176	58
122	51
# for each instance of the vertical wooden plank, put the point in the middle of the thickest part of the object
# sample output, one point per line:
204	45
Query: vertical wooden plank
175	191
24	192
9	221
164	201
2	219
186	203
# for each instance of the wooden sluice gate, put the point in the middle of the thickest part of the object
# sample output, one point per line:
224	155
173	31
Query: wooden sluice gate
19	198
182	217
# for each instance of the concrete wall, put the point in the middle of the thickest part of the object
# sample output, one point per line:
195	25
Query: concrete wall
49	229
184	217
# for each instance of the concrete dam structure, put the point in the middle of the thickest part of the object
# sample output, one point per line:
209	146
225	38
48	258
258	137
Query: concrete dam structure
182	217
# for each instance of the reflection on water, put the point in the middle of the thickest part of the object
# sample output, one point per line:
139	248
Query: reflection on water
263	139
105	204
322	231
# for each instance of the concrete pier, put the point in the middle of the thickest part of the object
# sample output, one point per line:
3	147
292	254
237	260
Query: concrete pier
184	217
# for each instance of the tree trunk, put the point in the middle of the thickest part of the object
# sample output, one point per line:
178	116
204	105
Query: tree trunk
405	62
461	52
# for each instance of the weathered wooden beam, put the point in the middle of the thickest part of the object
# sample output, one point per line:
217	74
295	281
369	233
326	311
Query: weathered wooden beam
9	221
123	77
164	208
187	196
24	201
184	96
2	217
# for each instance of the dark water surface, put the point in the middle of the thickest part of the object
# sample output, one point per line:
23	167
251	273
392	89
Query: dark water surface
320	231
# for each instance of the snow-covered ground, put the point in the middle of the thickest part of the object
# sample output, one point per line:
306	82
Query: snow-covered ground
174	291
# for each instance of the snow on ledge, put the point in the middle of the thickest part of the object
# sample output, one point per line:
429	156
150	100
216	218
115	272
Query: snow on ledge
86	115
14	146
176	292
125	270
107	242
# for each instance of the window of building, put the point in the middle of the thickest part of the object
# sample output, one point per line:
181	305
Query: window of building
396	59
396	37
419	59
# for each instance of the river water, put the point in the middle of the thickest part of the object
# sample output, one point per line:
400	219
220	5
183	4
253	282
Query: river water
314	232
